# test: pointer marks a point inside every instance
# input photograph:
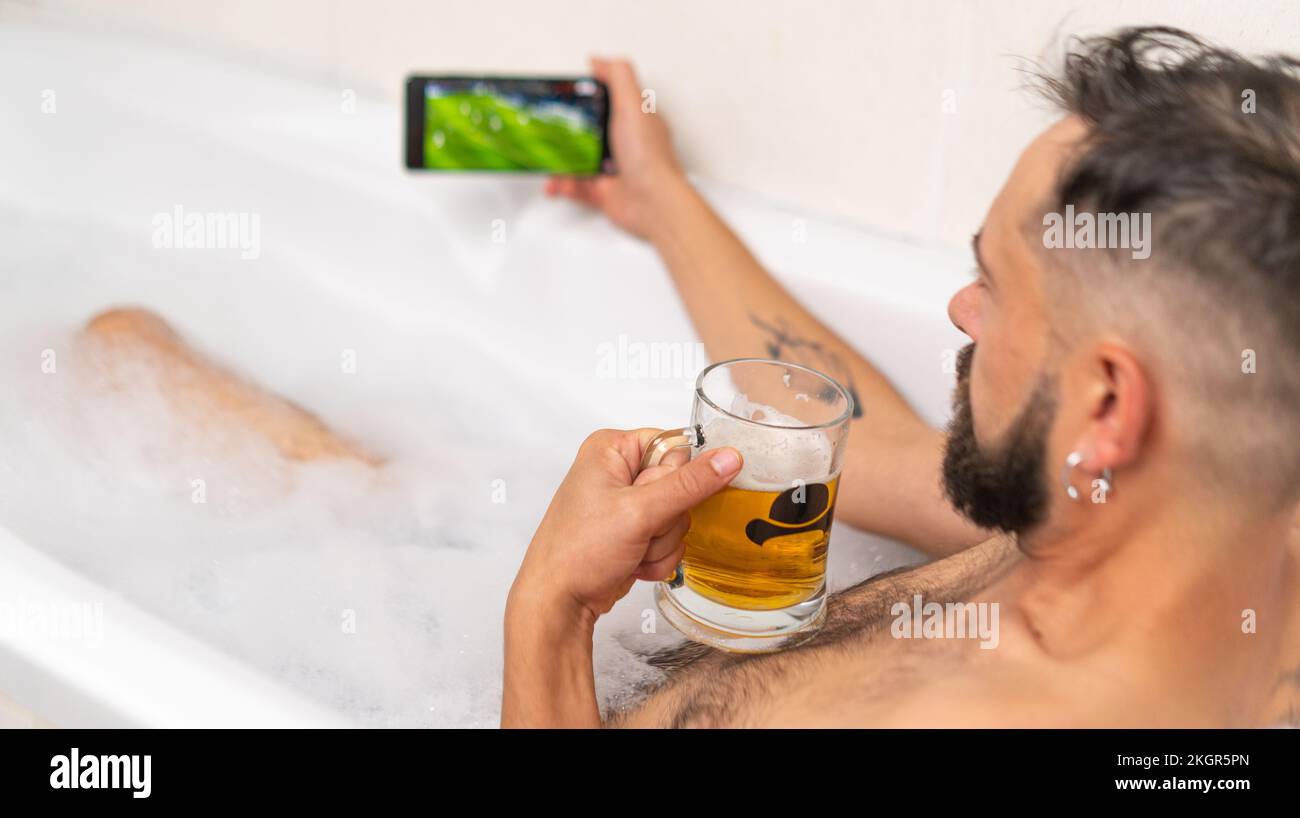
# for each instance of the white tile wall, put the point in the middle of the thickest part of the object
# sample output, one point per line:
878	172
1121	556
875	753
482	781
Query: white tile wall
835	106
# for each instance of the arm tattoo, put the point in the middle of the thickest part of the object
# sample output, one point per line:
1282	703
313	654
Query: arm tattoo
783	344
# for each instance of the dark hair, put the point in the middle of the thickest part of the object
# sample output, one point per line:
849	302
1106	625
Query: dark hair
1208	142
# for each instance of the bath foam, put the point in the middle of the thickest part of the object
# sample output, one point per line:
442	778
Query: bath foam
774	457
376	592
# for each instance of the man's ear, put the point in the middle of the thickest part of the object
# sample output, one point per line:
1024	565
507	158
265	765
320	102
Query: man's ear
1121	403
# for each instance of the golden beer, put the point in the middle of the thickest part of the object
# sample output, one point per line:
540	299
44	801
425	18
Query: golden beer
760	550
753	575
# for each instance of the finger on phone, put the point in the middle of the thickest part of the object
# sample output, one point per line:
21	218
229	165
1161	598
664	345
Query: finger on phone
595	190
619	76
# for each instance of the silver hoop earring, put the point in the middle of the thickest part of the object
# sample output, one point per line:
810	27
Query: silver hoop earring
1071	463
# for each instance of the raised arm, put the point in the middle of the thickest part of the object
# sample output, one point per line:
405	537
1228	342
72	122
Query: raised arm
891	482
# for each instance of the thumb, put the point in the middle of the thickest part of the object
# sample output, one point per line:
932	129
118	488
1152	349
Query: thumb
689	485
619	76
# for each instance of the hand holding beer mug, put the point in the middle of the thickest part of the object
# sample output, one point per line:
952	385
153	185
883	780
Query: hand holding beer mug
753	577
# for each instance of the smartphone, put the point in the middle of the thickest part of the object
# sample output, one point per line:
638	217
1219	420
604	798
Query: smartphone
507	124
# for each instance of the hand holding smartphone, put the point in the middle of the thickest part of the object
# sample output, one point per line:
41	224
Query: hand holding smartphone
557	126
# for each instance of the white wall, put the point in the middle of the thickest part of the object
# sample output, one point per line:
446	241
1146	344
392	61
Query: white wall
831	105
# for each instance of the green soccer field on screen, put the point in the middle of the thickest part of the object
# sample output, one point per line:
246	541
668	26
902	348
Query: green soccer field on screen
466	131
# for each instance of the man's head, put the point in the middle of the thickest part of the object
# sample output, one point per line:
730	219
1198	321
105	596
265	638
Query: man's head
1137	307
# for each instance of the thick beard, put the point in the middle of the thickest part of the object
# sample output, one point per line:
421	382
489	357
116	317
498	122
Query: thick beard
1004	487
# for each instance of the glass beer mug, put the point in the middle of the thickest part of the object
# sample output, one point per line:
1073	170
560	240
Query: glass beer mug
753	578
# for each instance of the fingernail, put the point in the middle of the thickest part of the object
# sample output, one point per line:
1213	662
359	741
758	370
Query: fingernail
725	462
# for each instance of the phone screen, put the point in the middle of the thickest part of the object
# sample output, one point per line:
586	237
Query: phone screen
507	124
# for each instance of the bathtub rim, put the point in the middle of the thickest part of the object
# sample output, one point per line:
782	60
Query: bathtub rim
145	672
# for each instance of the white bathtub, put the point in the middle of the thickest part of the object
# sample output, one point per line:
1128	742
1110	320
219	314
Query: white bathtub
472	354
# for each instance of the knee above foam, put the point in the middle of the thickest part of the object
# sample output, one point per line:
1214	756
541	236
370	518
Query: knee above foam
130	322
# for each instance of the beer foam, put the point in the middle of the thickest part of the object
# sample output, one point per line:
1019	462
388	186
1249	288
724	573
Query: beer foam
774	457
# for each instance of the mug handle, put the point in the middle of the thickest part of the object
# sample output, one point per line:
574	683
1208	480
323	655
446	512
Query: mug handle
666	441
658	448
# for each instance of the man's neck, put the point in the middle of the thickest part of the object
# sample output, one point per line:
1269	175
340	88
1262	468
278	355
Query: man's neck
1182	583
